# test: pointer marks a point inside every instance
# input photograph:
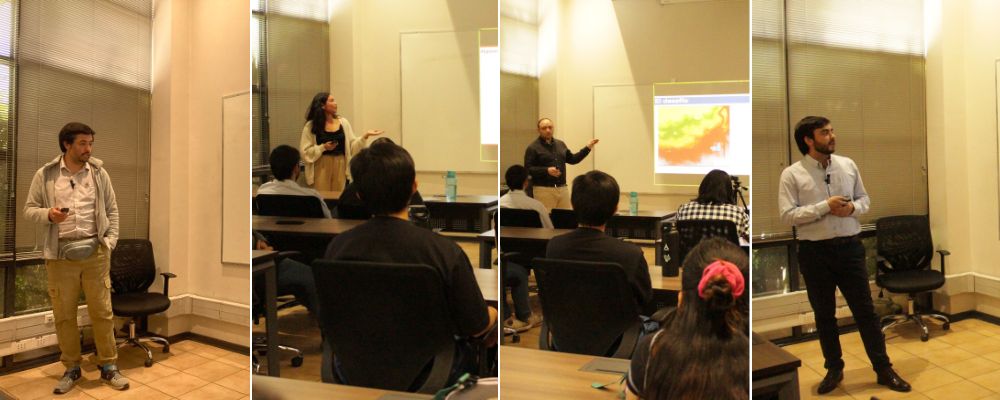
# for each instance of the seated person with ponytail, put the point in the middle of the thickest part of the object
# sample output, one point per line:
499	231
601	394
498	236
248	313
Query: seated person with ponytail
701	351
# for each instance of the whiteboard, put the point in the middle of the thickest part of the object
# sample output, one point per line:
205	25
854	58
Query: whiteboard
439	92
236	191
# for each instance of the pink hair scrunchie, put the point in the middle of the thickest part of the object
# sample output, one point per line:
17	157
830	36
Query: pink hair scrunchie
728	270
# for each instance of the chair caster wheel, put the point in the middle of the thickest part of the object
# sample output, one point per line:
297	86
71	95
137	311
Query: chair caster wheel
297	361
946	326
924	337
166	349
148	363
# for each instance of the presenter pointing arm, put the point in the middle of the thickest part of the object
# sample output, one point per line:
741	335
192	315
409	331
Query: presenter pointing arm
546	160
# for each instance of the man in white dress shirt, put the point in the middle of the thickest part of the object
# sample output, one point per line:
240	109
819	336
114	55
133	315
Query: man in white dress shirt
517	181
822	196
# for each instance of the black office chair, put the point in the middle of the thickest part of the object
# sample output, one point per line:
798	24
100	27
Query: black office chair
520	218
259	342
691	232
353	211
905	251
133	270
386	323
563	219
589	308
283	205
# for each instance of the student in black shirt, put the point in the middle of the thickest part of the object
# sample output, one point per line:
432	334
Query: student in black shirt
350	205
595	199
701	351
386	179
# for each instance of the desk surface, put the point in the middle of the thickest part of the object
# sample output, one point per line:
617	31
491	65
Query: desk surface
270	388
645	214
488	280
309	226
539	374
512	232
330	194
474	199
769	359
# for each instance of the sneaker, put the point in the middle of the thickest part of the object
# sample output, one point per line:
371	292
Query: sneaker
67	381
114	378
516	324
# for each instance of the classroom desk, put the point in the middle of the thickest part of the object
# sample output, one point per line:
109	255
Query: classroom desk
309	226
269	388
486	242
263	264
645	225
488	280
331	198
467	213
775	371
539	374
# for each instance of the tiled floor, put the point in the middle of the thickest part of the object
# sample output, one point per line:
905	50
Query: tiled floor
191	370
962	363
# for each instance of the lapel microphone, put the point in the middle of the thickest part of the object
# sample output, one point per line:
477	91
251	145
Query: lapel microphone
827	179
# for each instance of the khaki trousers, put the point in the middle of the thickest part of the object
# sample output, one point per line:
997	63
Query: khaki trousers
330	173
66	278
553	197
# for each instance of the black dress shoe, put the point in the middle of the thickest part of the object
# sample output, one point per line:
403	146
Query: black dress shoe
888	377
830	381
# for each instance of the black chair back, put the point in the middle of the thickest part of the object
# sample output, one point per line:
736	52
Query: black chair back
691	232
520	218
352	211
283	205
589	308
133	269
904	242
385	323
563	218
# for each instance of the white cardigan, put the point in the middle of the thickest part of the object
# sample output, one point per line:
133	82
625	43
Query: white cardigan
311	151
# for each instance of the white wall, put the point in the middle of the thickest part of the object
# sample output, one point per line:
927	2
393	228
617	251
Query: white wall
201	53
364	65
587	43
963	44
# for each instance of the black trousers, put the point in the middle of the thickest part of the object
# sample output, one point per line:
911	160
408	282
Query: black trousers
827	265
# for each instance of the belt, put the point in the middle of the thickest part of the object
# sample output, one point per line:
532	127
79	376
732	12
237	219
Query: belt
837	241
551	185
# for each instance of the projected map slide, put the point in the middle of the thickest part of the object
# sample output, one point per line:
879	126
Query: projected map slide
696	134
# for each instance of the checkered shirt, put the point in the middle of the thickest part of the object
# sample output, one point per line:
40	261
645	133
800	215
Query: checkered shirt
724	212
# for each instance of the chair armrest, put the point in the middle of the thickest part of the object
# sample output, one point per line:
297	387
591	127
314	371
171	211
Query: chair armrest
943	253
292	254
166	282
881	264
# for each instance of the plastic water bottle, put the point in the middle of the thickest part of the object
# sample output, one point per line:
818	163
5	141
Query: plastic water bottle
633	203
451	186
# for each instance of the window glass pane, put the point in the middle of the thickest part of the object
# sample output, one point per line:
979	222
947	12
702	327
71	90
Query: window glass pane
6	27
770	270
31	285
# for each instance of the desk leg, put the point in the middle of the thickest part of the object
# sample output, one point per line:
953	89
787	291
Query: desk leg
271	314
485	254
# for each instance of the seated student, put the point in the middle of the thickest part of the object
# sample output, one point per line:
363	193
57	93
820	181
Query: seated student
294	278
386	180
595	199
285	167
517	181
522	318
701	351
349	197
716	201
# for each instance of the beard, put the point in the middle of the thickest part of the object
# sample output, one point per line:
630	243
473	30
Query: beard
826	149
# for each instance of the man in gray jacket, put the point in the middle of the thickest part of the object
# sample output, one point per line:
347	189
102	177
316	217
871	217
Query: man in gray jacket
72	196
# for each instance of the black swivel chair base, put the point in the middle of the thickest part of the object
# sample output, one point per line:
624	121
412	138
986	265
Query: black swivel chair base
138	342
916	317
260	352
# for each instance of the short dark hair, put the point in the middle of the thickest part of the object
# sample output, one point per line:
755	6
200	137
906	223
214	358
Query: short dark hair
69	131
805	128
515	176
283	160
384	175
716	188
595	198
